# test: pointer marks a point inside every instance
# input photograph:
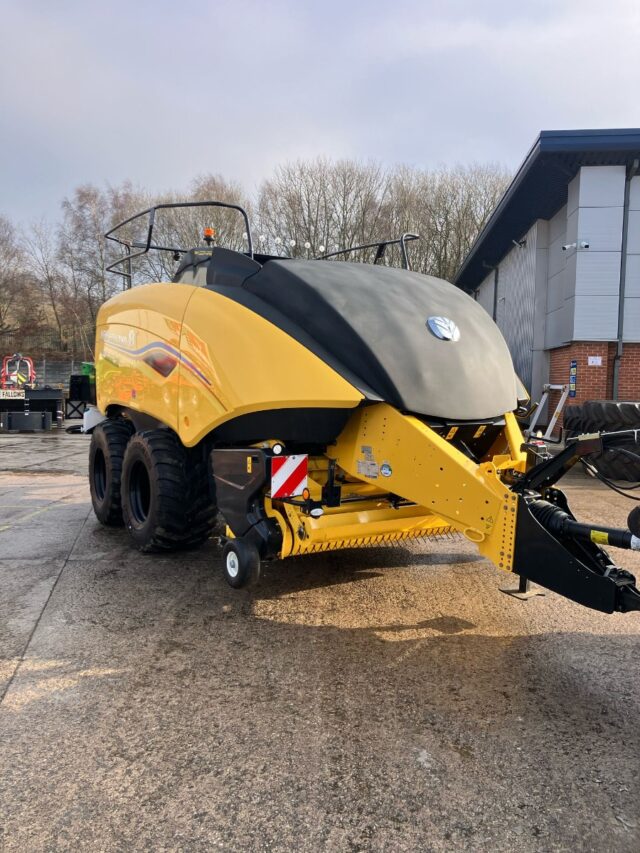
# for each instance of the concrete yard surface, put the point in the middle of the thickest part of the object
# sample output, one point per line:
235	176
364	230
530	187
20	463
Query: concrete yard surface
391	699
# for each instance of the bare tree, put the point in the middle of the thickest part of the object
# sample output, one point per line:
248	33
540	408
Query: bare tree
322	204
10	260
85	218
57	279
41	260
448	208
342	204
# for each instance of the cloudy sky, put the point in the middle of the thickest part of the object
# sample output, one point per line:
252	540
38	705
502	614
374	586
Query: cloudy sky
161	91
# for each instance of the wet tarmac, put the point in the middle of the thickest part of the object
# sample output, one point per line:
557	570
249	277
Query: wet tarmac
387	699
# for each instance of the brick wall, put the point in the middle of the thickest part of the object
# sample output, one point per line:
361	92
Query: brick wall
595	383
629	382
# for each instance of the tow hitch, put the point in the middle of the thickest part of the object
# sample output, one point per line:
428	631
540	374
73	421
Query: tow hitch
562	554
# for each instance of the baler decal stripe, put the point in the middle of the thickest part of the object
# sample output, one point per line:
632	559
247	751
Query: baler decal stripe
138	353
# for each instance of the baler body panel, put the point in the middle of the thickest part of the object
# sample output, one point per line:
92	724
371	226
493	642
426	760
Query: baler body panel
138	351
245	364
194	360
371	322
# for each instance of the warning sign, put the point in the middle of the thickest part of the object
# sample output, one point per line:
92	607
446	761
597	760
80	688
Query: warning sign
288	475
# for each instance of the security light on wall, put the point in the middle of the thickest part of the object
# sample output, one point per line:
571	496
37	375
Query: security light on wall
581	245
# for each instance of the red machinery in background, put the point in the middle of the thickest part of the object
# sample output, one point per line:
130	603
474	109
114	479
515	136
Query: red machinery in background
17	371
23	407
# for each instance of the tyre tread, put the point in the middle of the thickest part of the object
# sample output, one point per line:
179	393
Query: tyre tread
186	514
116	432
607	416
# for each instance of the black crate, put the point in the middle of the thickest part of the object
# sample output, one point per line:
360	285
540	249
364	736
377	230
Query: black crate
25	421
81	389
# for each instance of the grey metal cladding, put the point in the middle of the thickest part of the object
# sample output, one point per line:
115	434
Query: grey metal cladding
485	294
516	305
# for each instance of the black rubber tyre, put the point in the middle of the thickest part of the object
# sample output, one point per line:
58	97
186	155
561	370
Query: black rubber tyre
108	444
608	416
240	563
166	503
633	521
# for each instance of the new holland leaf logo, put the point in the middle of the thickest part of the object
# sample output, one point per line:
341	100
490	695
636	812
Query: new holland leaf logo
443	328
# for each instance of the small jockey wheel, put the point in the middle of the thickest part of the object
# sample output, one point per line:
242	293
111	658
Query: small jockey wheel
240	563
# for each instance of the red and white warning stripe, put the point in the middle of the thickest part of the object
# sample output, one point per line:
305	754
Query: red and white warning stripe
288	475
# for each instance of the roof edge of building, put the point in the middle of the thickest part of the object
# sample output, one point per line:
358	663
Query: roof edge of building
550	142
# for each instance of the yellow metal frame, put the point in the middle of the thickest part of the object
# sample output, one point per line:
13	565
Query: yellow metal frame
382	451
354	525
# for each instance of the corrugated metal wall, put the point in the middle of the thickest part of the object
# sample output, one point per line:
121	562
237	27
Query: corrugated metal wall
574	291
516	304
485	294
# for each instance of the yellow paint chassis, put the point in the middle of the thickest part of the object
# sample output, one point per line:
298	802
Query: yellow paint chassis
444	492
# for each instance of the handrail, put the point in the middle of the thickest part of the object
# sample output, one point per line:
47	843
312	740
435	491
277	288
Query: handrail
381	246
145	246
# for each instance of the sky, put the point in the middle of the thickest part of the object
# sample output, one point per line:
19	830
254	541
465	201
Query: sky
159	92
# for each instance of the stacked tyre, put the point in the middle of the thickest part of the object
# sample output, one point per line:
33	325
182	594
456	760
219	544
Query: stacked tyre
152	484
616	463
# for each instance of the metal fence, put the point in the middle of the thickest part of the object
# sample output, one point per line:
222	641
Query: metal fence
55	372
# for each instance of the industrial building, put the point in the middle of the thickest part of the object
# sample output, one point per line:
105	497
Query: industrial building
558	264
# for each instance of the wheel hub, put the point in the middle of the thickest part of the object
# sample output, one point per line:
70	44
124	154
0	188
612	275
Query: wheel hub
233	565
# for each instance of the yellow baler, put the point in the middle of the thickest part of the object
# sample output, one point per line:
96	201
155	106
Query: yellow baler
318	405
